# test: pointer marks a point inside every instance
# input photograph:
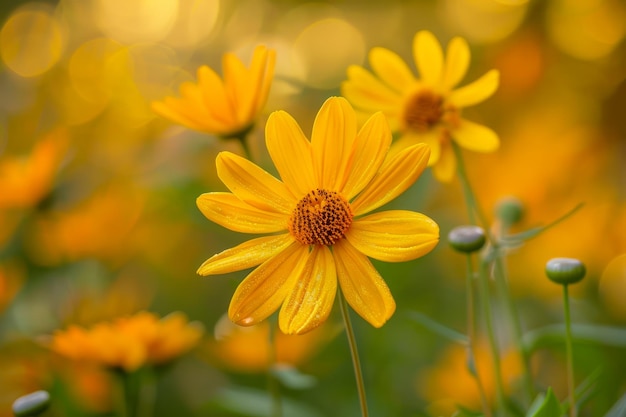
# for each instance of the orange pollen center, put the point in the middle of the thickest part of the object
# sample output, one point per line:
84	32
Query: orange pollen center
322	217
423	110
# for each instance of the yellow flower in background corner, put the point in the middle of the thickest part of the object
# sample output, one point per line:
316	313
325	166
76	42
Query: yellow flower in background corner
427	109
129	342
225	107
320	234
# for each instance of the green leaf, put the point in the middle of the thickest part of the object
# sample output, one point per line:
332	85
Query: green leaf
292	378
545	405
438	328
239	401
587	333
618	409
464	412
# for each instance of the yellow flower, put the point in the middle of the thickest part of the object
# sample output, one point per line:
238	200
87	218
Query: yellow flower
318	208
428	109
129	342
225	107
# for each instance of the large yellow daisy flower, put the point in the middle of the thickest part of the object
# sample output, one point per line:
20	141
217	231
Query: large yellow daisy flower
228	107
319	233
426	109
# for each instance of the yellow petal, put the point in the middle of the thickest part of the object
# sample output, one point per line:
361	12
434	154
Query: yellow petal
393	179
252	184
267	77
214	96
366	91
428	57
263	291
370	148
334	132
290	151
170	110
476	92
229	211
311	299
391	69
235	81
246	255
457	61
445	168
253	84
430	138
362	286
394	236
475	137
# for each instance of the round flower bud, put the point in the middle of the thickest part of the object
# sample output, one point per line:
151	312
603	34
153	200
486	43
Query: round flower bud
31	404
565	270
467	239
510	210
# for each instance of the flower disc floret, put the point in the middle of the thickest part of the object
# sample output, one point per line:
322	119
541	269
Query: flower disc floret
322	217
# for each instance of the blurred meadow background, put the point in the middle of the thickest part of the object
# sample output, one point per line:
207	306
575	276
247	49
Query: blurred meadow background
98	216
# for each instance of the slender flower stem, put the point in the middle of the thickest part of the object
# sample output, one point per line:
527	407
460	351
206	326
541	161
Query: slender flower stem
570	354
147	392
485	296
355	353
500	271
120	392
471	334
272	383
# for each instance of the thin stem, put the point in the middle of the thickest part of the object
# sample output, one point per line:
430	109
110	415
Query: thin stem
471	334
358	375
147	392
500	271
120	392
272	383
491	336
570	354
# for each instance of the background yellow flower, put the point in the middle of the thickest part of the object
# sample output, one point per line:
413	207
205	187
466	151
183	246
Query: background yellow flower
426	109
226	106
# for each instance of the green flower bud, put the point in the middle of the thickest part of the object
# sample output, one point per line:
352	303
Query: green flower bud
467	239
510	210
31	404
565	270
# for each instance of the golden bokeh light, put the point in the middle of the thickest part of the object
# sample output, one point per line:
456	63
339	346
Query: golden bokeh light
31	41
324	66
136	21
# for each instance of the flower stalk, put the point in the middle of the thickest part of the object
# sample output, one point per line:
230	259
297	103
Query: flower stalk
356	363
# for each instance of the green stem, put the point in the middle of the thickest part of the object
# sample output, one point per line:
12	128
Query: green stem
471	334
570	354
120	392
491	336
272	382
358	375
500	272
147	392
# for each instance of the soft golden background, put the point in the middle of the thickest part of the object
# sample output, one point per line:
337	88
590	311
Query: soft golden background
97	193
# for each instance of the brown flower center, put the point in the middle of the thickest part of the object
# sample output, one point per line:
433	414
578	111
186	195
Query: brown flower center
423	110
322	217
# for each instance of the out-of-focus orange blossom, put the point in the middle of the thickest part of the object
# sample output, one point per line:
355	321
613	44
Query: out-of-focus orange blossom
129	342
95	227
12	276
448	382
248	349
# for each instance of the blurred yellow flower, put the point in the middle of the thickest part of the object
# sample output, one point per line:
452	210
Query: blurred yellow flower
24	181
228	107
327	185
12	276
428	109
448	383
129	342
247	349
